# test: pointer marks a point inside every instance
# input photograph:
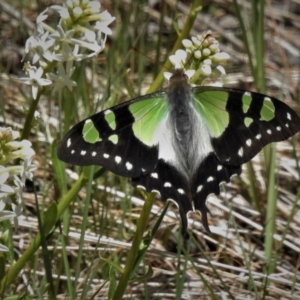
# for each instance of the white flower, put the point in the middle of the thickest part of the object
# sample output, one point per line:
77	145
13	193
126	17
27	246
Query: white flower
12	177
68	55
7	134
90	36
60	36
220	70
77	11
207	61
4	188
220	57
63	11
39	47
197	54
189	73
20	149
39	21
102	26
187	43
214	48
206	69
206	52
35	80
62	78
196	41
178	59
94	6
95	47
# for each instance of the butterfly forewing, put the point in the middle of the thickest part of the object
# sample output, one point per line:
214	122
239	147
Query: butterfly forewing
119	138
242	123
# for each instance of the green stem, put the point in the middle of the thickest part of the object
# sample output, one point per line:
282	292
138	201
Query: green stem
29	117
260	82
196	6
270	227
253	186
14	270
132	255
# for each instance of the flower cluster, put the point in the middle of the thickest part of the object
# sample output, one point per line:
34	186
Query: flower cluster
203	57
12	177
80	34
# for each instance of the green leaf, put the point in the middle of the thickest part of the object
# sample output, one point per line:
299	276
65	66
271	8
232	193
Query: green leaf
59	169
50	218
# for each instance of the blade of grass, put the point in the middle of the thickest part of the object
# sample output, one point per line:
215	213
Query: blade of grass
132	255
14	270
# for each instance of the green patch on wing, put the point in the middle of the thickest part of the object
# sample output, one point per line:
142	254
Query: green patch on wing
110	118
267	112
246	100
211	106
90	133
114	139
248	121
148	114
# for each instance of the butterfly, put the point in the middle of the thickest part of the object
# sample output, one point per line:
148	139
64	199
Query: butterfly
182	142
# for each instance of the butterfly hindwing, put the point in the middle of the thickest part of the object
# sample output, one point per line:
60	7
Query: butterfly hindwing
170	184
242	123
114	138
206	181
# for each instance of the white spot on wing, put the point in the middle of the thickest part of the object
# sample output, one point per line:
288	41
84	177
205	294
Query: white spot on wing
73	151
154	175
220	167
241	151
118	159
181	191
105	155
167	184
278	128
129	165
94	153
269	131
249	142
210	178
199	188
258	137
69	142
288	115
83	152
287	125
